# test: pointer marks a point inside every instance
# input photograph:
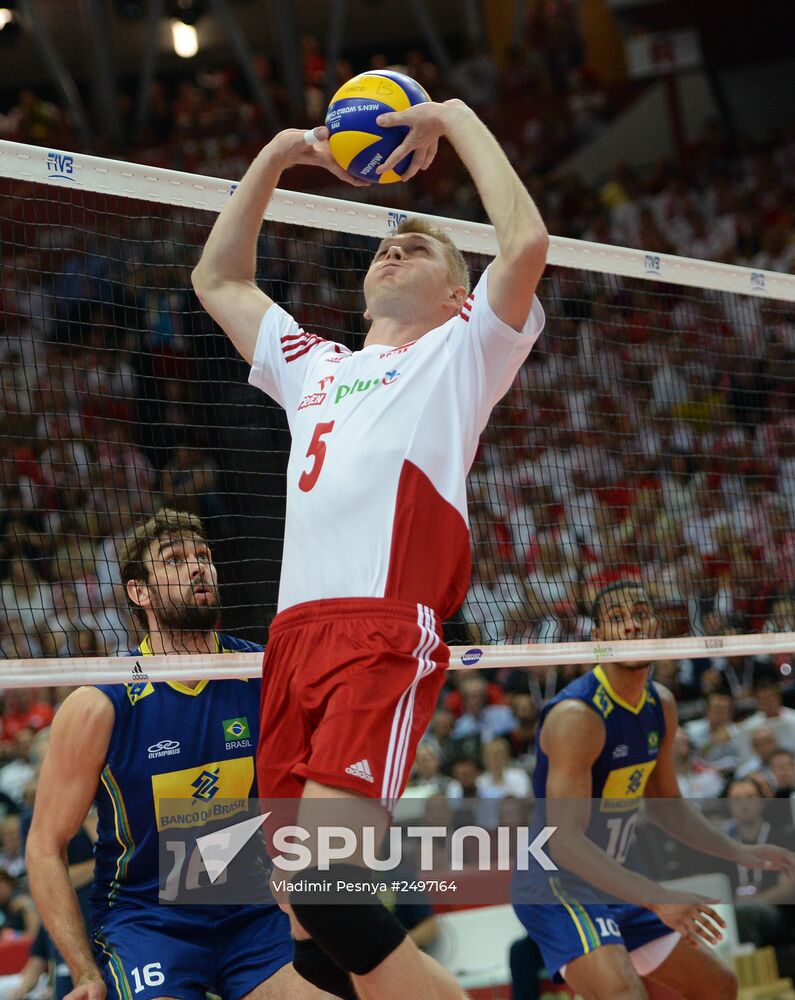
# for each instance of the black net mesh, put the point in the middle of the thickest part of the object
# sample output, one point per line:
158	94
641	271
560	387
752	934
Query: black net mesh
650	433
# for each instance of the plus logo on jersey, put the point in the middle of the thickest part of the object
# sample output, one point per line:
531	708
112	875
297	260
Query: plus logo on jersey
365	385
206	785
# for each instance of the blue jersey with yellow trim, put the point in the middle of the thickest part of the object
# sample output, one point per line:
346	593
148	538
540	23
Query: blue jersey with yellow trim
168	742
621	771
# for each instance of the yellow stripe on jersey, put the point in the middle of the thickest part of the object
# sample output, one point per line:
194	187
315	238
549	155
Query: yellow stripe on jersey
197	794
121	823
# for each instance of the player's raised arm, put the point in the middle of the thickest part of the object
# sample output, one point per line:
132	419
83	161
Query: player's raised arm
79	740
224	278
521	233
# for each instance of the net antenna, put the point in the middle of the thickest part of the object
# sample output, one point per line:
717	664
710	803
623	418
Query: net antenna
95	206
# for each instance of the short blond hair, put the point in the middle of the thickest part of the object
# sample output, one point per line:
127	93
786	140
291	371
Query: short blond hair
456	265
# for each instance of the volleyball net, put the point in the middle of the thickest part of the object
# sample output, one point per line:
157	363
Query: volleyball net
650	435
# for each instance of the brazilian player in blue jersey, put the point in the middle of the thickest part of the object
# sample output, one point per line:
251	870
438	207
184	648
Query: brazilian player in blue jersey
608	735
129	747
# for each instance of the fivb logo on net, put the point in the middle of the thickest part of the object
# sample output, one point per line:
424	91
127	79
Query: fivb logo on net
652	264
60	165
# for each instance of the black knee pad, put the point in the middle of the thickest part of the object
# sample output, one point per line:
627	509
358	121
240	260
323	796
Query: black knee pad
356	935
314	965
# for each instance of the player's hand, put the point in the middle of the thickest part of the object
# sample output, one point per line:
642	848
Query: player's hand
426	123
292	150
692	916
768	857
90	986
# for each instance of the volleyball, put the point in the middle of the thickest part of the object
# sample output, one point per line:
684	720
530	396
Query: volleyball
357	142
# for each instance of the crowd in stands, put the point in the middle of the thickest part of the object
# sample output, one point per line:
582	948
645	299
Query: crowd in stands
651	432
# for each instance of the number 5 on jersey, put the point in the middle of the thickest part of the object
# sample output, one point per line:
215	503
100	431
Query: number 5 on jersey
317	452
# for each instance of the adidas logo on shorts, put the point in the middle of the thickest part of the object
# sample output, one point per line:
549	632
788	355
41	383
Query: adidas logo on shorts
361	769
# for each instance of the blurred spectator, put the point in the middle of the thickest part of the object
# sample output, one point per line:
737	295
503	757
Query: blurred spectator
26	596
426	776
24	708
479	718
15	775
782	764
12	854
749	824
715	739
523	738
696	780
441	733
763	746
499	778
17	912
466	771
771	713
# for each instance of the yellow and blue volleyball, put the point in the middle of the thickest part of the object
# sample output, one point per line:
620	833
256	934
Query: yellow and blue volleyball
358	144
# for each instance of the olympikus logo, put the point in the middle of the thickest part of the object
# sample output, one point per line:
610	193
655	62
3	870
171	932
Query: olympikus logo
361	769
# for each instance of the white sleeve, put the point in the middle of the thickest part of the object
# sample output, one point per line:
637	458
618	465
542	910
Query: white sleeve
488	351
283	353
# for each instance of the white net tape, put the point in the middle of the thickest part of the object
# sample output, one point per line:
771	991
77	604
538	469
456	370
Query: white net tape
126	669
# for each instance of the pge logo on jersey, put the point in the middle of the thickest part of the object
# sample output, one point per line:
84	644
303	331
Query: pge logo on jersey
61	165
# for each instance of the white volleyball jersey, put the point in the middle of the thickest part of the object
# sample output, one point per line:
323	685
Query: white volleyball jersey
382	441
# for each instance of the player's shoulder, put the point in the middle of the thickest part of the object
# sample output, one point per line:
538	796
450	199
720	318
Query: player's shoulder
573	730
233	644
664	695
87	706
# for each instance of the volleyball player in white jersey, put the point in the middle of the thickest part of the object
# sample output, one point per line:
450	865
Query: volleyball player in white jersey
377	548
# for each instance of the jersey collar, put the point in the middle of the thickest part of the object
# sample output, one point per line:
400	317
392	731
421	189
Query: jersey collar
635	709
146	650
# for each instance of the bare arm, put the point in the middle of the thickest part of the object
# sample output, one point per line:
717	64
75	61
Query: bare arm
682	820
79	740
224	278
521	233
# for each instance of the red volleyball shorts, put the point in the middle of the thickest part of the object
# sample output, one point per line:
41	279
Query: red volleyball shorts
349	687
